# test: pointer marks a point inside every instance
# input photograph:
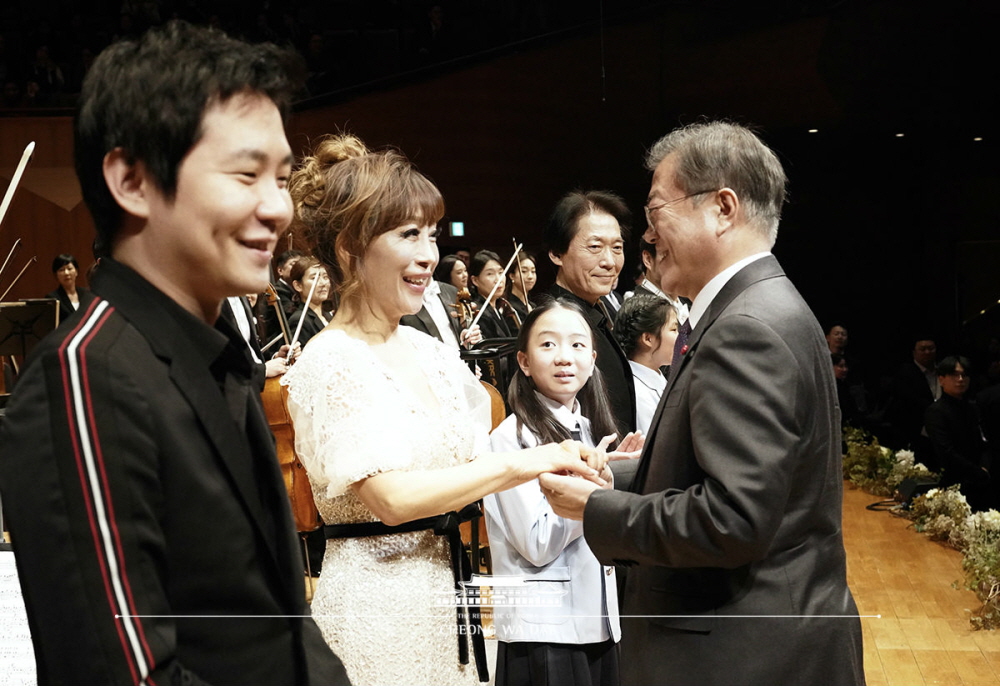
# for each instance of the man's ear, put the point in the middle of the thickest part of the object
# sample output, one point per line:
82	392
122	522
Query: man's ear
556	259
128	182
729	208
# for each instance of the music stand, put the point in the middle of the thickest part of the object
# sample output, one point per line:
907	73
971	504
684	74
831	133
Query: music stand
22	325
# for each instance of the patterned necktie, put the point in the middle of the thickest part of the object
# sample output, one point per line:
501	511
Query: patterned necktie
680	347
575	433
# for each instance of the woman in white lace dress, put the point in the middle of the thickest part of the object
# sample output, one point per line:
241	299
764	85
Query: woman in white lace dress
388	422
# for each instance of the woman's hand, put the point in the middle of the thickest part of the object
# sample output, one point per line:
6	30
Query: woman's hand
561	458
471	336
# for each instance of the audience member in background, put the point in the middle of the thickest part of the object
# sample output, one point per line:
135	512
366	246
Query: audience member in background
70	297
585	238
953	427
850	414
453	271
914	387
836	338
305	272
646	328
520	280
485	272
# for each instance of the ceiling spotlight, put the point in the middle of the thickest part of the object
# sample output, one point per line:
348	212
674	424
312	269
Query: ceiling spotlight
813	130
978	138
900	135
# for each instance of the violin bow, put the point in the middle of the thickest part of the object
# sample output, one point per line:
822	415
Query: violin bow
16	179
503	277
24	269
305	313
527	305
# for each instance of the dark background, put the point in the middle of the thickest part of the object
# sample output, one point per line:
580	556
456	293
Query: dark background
518	102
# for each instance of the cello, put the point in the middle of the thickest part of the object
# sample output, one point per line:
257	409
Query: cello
275	397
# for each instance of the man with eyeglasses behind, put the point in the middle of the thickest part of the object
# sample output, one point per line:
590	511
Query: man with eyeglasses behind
952	424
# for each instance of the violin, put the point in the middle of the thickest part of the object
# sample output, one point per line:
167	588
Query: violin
465	308
275	400
509	313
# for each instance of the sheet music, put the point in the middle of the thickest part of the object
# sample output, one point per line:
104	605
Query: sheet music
17	659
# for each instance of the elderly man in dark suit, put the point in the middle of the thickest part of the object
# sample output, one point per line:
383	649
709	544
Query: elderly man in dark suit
151	528
585	238
732	524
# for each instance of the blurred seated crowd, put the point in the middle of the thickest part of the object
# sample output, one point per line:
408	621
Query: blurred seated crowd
46	48
945	408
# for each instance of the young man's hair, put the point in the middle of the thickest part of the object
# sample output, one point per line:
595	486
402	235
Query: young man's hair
149	96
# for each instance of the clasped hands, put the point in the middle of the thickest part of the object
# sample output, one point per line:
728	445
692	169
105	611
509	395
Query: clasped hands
568	494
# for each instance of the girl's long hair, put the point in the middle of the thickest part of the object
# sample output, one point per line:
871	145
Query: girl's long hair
538	418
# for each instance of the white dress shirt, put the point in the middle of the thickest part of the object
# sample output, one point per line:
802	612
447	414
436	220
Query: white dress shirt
649	385
438	312
711	289
564	594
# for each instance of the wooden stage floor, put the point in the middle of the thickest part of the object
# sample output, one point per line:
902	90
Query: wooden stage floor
923	635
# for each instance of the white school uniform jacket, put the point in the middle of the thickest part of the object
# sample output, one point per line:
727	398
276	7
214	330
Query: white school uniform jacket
565	595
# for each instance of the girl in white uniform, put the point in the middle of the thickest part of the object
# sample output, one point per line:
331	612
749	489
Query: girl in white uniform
556	618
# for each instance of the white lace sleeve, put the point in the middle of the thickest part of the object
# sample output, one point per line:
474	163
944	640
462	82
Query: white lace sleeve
345	415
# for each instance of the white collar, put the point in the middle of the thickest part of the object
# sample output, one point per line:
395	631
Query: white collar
648	377
432	289
568	418
704	298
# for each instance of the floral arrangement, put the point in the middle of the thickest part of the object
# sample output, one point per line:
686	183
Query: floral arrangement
941	513
944	515
876	469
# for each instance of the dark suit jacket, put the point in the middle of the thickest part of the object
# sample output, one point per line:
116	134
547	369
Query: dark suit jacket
65	306
144	498
955	435
735	508
910	398
615	370
422	320
310	327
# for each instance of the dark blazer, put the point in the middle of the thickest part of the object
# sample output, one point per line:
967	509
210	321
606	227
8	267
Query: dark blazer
310	327
152	531
911	396
611	360
65	306
957	440
735	506
422	320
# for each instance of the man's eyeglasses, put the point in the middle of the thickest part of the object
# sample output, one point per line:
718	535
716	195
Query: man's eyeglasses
649	210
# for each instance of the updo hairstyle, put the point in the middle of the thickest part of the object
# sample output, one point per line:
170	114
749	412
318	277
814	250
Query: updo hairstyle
346	196
642	313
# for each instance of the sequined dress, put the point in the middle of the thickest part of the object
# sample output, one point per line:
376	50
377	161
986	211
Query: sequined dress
384	603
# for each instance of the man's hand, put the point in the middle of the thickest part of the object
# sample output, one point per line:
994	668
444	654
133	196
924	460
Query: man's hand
567	494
